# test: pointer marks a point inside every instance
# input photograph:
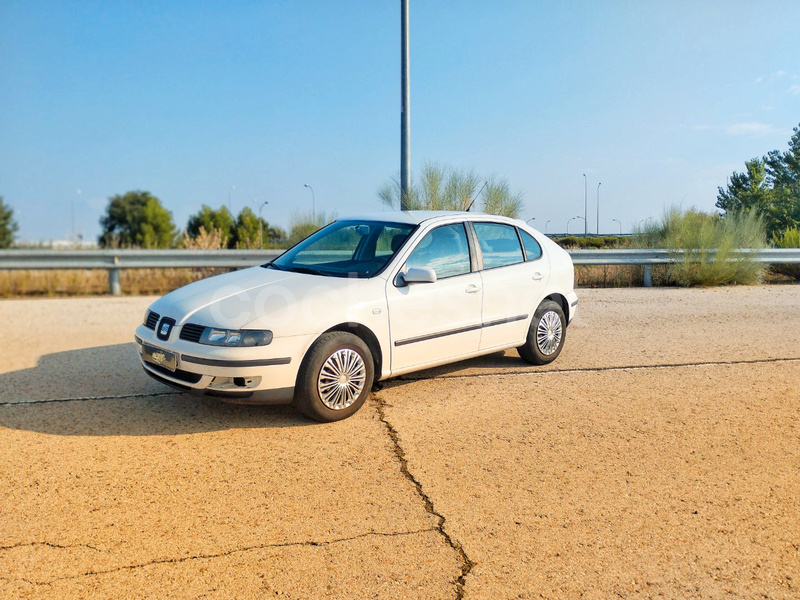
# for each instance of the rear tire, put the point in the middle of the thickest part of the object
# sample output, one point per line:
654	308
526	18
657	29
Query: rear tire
335	377
546	335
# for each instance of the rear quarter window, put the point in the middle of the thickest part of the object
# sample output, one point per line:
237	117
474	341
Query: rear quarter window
532	248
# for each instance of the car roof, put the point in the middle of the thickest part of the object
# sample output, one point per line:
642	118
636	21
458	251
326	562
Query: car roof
415	217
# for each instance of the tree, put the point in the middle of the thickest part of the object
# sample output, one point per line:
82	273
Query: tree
441	187
209	219
303	225
769	185
246	231
8	225
251	231
136	219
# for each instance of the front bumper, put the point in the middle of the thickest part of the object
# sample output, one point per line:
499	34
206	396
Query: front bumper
264	375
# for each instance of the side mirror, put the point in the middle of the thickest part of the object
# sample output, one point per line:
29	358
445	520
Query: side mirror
417	275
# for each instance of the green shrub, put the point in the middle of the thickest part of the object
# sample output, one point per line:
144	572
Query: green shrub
592	241
708	249
790	238
304	224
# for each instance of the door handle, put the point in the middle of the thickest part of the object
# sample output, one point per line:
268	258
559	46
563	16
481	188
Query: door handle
472	289
537	276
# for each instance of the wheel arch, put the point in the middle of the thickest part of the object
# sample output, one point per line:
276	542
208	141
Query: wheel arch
562	302
368	337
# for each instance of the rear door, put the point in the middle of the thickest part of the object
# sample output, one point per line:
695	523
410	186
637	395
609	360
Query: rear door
511	285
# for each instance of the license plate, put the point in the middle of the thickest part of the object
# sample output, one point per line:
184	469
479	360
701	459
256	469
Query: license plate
157	356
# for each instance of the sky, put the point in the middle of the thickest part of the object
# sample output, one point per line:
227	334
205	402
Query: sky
246	102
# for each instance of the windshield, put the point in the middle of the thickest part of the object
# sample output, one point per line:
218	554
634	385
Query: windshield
345	249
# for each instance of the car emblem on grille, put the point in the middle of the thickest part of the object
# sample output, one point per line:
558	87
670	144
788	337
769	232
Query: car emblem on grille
165	328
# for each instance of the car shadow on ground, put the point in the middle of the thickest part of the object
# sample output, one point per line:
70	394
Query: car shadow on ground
104	391
495	363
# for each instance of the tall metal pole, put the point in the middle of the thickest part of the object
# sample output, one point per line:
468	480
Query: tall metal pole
585	204
261	225
405	115
313	203
598	208
74	231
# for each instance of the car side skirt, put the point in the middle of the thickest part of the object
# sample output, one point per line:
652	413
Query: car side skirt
456	359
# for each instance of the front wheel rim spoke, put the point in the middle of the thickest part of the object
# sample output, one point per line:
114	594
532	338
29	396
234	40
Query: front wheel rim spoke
341	379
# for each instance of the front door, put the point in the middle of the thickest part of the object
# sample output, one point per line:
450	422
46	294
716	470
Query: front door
441	321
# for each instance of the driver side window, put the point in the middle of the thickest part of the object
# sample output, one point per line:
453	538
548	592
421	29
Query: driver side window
445	250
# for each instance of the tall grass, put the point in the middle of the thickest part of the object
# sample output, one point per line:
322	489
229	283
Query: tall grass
708	249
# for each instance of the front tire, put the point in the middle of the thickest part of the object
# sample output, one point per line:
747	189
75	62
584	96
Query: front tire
546	335
335	377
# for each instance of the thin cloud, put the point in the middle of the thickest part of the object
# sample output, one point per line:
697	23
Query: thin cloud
795	90
751	128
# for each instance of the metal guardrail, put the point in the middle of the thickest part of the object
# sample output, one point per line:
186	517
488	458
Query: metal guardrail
649	257
114	260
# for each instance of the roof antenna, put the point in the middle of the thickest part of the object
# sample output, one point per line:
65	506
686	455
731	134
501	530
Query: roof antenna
477	195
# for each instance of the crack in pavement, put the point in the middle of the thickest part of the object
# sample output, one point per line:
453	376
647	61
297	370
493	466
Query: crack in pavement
466	562
403	378
529	371
175	561
49	545
89	398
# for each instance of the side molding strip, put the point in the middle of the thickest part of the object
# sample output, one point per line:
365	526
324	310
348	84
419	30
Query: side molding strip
433	336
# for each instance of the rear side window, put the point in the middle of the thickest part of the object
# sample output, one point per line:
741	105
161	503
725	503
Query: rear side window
499	244
532	248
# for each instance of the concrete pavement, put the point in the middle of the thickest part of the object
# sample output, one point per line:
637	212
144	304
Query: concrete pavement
658	456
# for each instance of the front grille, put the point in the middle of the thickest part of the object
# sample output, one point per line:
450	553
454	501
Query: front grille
177	374
152	320
191	332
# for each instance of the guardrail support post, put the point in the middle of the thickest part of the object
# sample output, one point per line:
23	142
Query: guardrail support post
114	286
647	280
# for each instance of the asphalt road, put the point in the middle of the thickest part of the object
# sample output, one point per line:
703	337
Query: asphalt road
658	457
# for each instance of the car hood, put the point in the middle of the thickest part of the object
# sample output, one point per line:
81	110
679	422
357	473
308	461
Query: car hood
261	298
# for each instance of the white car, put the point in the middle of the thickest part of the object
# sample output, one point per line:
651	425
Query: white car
363	299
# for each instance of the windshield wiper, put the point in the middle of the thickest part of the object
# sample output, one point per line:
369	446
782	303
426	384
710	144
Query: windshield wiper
305	270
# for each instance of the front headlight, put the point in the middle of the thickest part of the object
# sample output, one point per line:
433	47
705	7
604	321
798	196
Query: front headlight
234	337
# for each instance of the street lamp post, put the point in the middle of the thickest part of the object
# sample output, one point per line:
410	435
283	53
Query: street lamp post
620	226
313	203
405	108
598	209
585	204
545	227
261	226
572	219
74	231
531	219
